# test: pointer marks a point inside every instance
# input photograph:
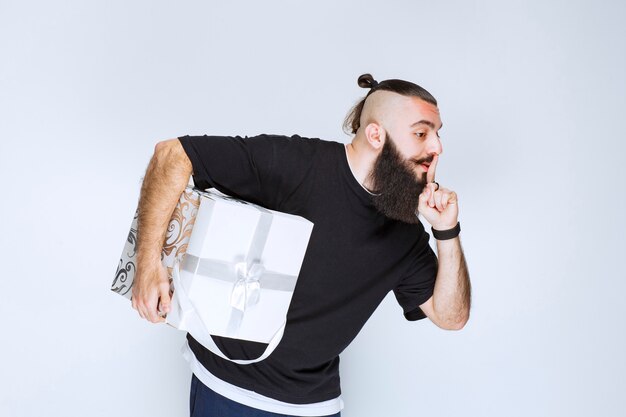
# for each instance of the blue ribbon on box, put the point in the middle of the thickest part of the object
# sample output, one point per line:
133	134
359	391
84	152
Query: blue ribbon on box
248	276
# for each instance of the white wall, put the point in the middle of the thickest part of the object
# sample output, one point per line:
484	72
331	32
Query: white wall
532	95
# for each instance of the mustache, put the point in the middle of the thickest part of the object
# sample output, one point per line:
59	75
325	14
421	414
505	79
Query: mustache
426	160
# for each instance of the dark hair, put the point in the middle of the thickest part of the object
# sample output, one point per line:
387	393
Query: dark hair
352	122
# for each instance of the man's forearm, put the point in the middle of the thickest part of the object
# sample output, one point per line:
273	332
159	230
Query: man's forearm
166	178
452	293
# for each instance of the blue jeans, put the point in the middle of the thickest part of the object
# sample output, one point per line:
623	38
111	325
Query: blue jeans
204	402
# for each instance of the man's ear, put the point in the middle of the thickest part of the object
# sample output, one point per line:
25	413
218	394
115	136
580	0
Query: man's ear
375	135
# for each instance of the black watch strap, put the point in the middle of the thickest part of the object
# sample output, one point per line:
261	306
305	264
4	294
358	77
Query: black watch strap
447	234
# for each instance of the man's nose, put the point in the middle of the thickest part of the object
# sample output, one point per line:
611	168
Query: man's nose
434	146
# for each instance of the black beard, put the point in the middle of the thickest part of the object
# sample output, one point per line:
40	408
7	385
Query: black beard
394	180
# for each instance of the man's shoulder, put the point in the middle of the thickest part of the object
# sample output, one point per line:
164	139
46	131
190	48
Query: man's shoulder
294	138
267	137
295	142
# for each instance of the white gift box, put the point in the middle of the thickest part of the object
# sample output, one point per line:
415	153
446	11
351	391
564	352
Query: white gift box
239	272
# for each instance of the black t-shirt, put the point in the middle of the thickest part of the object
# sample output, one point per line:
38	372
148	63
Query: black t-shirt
354	258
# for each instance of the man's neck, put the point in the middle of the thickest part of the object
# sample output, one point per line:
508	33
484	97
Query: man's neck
359	165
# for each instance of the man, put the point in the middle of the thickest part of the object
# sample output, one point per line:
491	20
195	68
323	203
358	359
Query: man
363	199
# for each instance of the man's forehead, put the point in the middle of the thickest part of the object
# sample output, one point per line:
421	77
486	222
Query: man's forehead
418	111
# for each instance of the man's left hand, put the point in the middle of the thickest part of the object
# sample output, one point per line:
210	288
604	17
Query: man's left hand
438	206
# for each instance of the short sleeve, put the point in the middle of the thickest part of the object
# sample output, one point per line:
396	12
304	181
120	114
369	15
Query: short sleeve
418	284
260	169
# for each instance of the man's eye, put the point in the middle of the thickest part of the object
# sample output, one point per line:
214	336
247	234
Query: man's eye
420	134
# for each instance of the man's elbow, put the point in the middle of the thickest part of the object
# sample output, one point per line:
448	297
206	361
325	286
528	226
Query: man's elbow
457	324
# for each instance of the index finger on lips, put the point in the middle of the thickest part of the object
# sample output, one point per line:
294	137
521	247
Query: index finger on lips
430	175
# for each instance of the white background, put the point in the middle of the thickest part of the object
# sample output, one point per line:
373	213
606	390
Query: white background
532	96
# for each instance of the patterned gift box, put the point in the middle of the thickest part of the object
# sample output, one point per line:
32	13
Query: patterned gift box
174	247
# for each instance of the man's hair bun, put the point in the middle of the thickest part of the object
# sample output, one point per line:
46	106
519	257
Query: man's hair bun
367	81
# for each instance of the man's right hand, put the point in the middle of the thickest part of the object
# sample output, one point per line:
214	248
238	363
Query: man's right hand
151	291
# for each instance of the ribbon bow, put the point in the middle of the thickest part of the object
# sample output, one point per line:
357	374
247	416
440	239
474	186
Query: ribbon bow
247	289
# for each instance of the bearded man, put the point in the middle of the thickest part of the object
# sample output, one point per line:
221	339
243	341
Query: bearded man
363	199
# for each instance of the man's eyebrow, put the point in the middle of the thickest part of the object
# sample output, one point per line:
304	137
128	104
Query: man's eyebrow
427	123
